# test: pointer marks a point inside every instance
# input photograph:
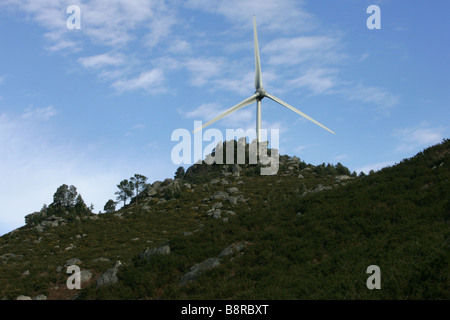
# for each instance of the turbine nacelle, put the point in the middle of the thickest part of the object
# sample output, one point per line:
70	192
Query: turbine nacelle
260	93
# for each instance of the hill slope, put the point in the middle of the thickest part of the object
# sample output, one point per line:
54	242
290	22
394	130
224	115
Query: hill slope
225	232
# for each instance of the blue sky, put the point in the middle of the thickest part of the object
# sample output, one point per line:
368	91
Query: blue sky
90	107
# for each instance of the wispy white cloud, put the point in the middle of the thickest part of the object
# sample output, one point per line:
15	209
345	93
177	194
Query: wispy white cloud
208	111
281	15
363	57
341	157
160	27
150	81
242	83
275	125
374	166
106	22
301	148
116	24
39	113
292	51
203	69
381	98
202	112
139	126
57	43
152	145
316	80
421	136
52	16
168	63
180	46
102	60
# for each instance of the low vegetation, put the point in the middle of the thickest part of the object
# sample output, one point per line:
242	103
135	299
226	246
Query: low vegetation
312	232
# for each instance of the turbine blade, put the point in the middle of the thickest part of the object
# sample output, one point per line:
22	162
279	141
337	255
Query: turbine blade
240	105
258	79
296	111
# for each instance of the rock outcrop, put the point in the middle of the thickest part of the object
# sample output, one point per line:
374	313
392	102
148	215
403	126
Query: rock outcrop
210	263
148	253
41	221
109	276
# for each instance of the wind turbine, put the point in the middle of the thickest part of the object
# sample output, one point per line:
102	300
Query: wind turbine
259	94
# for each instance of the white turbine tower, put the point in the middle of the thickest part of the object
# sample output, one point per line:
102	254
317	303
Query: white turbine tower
260	93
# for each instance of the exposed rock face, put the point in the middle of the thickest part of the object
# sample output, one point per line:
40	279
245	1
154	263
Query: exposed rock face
171	184
216	205
72	261
157	184
214	181
41	221
234	248
198	269
168	184
217	214
342	178
219	195
110	275
232	190
70	247
146	206
7	256
38	297
85	275
236	199
150	191
321	187
187	185
236	170
148	253
294	159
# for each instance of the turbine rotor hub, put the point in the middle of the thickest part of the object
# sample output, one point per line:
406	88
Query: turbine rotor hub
261	93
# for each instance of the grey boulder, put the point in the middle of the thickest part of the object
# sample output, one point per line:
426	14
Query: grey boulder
109	276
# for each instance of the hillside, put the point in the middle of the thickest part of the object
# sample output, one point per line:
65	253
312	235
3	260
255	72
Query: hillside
226	232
